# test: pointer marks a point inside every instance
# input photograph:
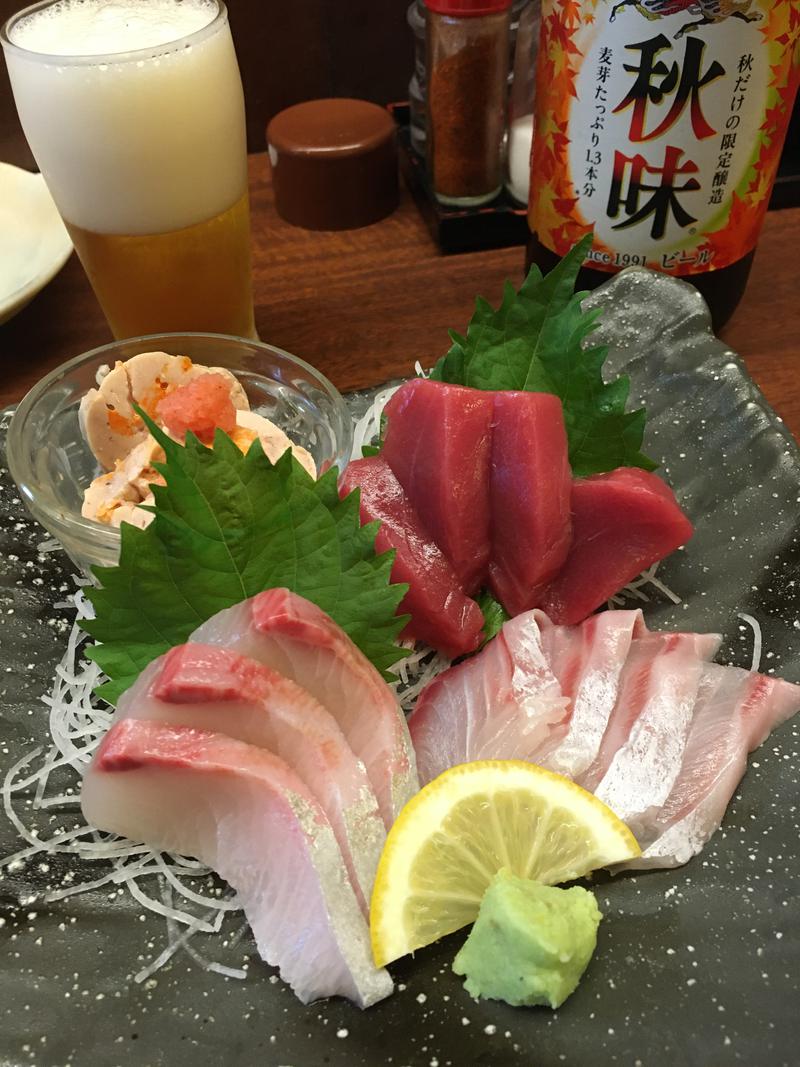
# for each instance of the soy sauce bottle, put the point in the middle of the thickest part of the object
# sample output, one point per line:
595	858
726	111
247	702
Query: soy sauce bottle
659	126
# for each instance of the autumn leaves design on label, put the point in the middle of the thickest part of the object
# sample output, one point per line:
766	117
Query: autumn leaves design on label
660	125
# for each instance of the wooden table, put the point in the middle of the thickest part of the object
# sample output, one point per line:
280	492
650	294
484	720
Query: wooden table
364	305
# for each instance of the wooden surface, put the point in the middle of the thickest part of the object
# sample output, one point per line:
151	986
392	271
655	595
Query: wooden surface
365	304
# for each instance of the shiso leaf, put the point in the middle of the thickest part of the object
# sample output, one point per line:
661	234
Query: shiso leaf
535	341
229	525
494	615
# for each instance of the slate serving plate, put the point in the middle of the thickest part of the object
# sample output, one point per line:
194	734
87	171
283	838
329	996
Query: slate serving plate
697	966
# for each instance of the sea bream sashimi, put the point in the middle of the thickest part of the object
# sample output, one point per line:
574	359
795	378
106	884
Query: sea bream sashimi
438	444
211	688
291	635
441	614
504	703
622	523
246	814
530	486
736	710
587	660
643	745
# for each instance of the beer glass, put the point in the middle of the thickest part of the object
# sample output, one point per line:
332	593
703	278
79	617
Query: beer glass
135	114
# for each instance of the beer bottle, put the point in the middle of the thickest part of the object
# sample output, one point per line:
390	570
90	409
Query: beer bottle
659	126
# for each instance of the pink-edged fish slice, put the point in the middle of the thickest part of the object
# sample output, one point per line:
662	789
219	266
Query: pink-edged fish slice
291	635
503	703
643	747
245	813
530	490
438	443
639	684
736	711
442	615
587	660
212	688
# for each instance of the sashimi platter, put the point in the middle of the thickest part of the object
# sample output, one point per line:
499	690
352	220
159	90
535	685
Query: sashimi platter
481	749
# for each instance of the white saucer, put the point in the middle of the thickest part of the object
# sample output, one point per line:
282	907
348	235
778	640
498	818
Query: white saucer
34	244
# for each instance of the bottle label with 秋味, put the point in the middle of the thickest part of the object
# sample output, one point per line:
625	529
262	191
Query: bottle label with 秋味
659	125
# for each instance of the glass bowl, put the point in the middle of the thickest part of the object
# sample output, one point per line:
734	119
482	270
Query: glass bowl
52	464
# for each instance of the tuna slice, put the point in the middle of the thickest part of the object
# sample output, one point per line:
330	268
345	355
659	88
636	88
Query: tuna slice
734	714
530	497
211	688
643	746
587	660
293	636
622	523
245	813
441	615
503	703
438	443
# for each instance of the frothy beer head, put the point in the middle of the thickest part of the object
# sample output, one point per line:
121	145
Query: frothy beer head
95	27
133	110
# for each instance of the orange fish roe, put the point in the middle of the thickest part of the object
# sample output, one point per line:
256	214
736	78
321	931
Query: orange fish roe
200	406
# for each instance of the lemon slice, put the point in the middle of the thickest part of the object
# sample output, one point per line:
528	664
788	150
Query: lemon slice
452	838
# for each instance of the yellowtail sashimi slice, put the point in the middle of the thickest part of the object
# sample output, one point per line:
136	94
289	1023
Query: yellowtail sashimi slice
643	746
293	636
735	712
504	703
588	660
247	815
211	688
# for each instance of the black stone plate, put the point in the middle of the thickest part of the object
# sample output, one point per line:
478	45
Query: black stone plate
697	966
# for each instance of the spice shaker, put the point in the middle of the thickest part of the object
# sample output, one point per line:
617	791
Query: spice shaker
467	63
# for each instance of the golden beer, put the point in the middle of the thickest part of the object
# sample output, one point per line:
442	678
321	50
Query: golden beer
135	114
208	267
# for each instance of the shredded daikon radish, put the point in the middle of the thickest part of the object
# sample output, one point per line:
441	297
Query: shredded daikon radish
633	590
757	638
367	430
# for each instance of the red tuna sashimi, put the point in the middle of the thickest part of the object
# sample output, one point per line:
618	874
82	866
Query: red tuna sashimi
293	636
441	615
643	746
247	815
622	523
438	443
530	484
735	712
503	703
213	689
587	660
201	406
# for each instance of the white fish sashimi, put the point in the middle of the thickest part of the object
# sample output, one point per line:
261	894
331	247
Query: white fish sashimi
735	712
293	636
503	703
656	702
587	660
213	689
246	814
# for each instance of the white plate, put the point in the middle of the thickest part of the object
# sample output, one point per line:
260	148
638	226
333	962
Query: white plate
34	244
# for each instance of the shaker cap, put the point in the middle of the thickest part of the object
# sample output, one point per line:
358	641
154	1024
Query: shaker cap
467	8
334	163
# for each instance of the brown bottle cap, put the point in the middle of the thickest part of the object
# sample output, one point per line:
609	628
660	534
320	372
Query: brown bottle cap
334	164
